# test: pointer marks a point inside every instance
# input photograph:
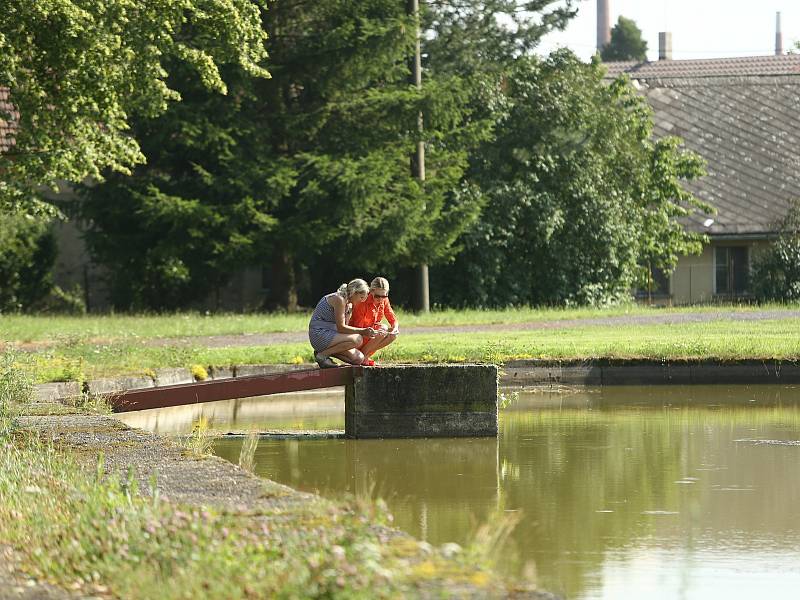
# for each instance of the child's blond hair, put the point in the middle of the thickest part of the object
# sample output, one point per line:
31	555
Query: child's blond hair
379	283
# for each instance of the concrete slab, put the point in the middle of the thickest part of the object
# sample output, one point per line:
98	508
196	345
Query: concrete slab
422	401
173	376
56	392
111	386
220	372
250	370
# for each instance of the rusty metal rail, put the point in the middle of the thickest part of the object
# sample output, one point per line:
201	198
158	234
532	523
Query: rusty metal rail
235	387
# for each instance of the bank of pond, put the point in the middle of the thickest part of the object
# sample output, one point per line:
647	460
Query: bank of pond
615	492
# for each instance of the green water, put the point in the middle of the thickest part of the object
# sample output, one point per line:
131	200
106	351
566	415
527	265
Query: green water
657	492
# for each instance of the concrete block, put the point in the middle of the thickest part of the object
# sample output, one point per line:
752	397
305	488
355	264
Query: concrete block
220	372
526	374
581	375
652	374
173	376
56	392
423	401
786	372
111	386
744	372
251	370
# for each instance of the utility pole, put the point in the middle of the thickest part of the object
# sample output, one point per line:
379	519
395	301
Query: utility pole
418	160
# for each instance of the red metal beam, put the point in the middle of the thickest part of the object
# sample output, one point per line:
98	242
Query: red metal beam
235	387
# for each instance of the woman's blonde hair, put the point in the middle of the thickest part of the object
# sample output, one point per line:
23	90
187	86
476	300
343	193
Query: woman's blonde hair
379	283
354	287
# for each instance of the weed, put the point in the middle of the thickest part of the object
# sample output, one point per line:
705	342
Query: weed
248	452
199	372
505	400
200	443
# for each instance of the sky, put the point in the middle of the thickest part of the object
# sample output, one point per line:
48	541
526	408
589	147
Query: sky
700	28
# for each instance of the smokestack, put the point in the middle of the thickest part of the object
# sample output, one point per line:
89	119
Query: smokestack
603	24
664	45
778	35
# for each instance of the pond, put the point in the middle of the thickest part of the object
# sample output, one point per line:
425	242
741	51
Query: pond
615	492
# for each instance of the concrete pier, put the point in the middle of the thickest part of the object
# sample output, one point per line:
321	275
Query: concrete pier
422	401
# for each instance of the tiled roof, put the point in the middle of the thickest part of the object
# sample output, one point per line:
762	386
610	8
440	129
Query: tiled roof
785	64
746	127
7	128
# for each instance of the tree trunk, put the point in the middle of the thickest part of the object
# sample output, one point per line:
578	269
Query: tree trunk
283	284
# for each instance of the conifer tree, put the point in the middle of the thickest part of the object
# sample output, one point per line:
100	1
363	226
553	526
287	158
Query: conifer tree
311	163
626	42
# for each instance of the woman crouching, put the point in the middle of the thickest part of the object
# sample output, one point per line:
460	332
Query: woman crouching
328	331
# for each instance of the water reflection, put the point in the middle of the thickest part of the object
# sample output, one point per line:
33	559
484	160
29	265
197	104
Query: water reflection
622	492
318	410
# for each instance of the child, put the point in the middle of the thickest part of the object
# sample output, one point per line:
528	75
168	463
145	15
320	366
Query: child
370	313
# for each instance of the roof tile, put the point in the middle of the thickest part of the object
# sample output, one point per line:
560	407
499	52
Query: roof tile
740	115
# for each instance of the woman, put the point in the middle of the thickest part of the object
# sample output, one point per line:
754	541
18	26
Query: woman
328	331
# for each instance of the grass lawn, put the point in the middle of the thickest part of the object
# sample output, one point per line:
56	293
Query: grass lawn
723	339
110	328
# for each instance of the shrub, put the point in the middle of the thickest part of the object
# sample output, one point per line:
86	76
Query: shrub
27	255
776	271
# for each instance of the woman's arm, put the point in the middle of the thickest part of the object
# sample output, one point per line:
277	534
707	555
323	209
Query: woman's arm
391	318
339	312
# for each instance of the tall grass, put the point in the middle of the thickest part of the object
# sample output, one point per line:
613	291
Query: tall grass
247	455
16	388
199	443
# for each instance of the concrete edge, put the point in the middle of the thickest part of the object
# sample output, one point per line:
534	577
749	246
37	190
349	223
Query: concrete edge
657	372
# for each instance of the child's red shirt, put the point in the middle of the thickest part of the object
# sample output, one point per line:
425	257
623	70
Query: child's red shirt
371	312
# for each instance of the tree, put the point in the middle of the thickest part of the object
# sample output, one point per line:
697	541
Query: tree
580	197
311	163
479	37
78	70
776	270
27	254
626	42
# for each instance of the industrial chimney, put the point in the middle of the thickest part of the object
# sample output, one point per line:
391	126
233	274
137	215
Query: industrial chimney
603	24
778	35
664	45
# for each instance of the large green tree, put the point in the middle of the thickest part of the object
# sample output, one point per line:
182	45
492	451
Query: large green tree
311	163
580	196
27	253
78	70
626	42
480	37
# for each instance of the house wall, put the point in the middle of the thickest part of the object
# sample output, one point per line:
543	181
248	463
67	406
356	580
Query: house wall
692	281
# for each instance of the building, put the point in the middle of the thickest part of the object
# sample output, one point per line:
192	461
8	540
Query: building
740	115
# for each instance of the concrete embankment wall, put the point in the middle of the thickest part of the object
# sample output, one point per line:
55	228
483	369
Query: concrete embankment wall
608	372
515	373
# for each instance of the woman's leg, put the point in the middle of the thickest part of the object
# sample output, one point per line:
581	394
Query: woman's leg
342	342
352	356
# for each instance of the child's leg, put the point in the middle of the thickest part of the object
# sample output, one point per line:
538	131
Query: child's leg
376	343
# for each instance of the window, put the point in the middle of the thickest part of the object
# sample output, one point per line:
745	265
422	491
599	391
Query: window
732	270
